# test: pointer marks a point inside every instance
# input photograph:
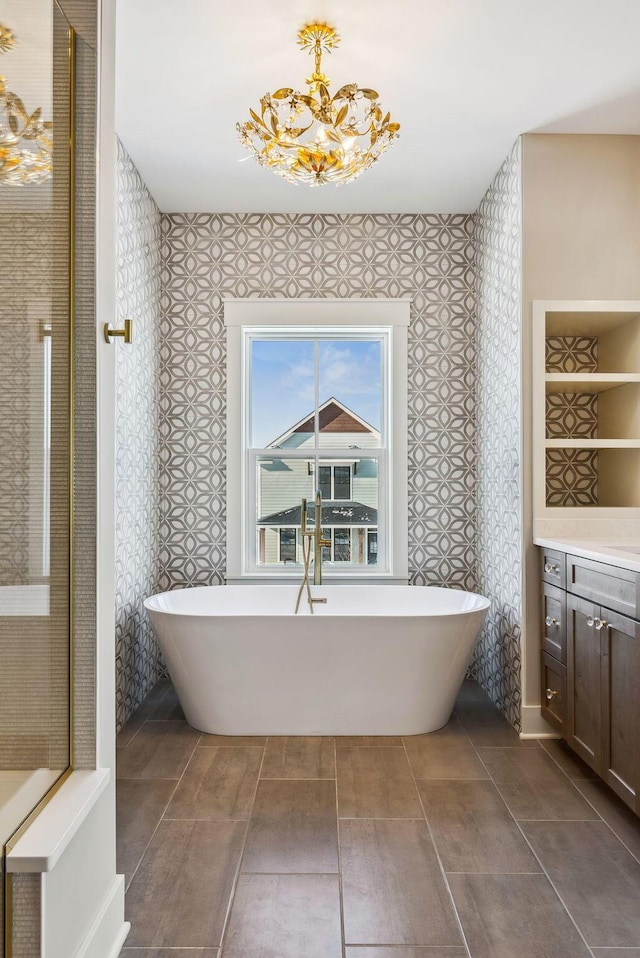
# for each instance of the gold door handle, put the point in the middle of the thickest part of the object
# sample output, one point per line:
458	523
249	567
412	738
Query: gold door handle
126	333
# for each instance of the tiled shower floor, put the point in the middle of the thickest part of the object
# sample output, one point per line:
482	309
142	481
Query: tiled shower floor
463	842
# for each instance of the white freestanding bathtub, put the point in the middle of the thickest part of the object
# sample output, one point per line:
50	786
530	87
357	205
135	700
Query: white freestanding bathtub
372	661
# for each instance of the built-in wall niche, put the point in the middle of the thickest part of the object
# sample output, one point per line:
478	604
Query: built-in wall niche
586	404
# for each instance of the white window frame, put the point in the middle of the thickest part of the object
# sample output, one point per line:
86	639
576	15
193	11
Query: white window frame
386	317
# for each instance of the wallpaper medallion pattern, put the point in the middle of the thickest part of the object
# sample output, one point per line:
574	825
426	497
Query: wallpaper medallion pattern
572	477
207	257
572	474
138	239
498	292
571	354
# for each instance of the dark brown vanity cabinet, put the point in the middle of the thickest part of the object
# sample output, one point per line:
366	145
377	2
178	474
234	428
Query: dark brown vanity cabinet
591	667
583	729
620	685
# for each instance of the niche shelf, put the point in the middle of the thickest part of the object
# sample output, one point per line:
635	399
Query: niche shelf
586	408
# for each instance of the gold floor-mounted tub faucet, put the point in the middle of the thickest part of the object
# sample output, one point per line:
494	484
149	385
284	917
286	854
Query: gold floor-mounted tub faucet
318	544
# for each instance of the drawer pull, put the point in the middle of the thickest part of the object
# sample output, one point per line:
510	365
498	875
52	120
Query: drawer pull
549	621
590	621
551	567
601	624
551	694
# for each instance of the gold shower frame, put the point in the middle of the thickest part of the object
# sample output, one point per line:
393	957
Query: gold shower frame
44	801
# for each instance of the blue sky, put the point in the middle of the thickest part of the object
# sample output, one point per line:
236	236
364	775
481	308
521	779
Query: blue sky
283	385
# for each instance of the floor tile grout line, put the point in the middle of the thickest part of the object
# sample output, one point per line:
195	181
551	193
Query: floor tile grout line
564	771
568	777
587	800
609	826
544	870
377	818
135	734
438	859
146	717
426	948
161	819
225	744
238	871
298	778
343	936
484	872
295	874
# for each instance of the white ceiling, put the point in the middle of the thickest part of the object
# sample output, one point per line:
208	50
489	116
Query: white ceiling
463	77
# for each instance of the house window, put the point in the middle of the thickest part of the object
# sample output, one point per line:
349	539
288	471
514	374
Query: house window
288	545
316	406
334	482
340	548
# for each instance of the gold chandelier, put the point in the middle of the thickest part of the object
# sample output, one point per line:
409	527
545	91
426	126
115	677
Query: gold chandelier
25	138
347	132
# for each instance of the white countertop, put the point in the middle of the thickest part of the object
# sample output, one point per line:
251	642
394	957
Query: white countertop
617	551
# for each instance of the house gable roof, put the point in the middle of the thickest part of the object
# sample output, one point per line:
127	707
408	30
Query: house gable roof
333	416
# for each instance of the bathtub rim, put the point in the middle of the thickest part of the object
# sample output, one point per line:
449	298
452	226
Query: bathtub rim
482	604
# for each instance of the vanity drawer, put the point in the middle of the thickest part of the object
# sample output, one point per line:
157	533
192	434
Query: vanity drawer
553	567
554	624
604	584
554	690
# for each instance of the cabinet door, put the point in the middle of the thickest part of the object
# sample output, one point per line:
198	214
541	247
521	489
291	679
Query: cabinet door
620	664
554	629
554	690
584	720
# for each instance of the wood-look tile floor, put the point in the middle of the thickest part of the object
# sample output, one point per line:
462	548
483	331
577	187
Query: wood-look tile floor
464	843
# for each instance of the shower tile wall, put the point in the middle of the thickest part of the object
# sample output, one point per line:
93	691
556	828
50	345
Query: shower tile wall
498	272
25	279
138	239
207	257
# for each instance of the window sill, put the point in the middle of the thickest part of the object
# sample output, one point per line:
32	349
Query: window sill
271	578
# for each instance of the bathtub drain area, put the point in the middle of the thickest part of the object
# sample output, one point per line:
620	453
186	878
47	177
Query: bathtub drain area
429	846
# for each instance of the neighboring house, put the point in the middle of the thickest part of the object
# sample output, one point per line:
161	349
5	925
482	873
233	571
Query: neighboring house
349	489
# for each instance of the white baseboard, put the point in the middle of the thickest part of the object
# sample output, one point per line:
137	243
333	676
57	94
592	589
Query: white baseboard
109	930
533	724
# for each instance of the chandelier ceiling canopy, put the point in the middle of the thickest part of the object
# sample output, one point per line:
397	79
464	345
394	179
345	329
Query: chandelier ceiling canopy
25	138
314	137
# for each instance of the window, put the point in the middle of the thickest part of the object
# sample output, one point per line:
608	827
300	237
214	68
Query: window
316	406
334	482
288	545
340	548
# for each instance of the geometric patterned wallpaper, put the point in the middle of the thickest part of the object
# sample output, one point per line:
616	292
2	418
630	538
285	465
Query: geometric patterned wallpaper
207	257
572	477
572	416
498	293
571	474
138	241
571	354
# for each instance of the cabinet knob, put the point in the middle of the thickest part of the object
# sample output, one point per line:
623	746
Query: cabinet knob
551	694
590	621
550	621
601	624
551	567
